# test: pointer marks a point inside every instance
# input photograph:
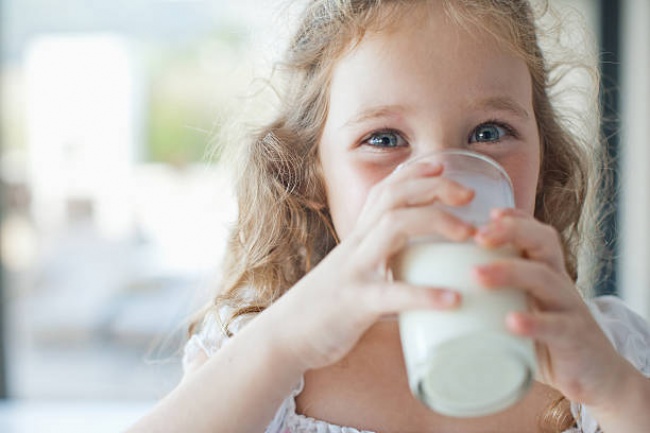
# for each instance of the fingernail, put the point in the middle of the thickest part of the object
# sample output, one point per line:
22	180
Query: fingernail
483	232
489	232
499	213
481	272
497	227
448	297
468	192
464	231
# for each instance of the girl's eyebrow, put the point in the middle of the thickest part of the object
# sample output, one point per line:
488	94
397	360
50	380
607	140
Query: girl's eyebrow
372	113
501	103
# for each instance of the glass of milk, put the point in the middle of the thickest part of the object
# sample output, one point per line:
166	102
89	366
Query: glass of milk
464	362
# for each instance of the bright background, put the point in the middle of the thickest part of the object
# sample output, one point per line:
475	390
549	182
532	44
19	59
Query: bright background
114	212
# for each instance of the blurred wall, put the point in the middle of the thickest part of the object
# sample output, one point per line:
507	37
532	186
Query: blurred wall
634	264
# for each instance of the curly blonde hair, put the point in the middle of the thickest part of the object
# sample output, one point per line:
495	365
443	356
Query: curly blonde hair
283	228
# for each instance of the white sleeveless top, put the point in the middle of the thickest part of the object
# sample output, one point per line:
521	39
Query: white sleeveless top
628	332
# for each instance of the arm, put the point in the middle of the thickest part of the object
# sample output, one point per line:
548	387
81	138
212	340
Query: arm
233	390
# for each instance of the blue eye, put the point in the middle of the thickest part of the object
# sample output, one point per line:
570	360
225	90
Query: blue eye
489	133
385	139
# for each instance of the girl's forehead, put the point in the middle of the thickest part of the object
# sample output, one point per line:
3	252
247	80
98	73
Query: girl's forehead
430	67
426	29
490	24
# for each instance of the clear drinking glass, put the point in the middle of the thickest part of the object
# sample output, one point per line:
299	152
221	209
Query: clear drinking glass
464	362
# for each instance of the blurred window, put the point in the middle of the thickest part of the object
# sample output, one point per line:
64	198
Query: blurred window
114	211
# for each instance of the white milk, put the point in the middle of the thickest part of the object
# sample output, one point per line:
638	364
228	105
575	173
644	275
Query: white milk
463	362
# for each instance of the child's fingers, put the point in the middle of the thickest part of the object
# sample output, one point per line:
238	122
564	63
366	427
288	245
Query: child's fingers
509	211
415	192
534	325
537	241
395	228
422	191
574	355
394	189
556	329
398	191
551	289
396	297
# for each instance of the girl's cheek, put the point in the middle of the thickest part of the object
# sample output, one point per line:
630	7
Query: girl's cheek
350	178
523	170
347	202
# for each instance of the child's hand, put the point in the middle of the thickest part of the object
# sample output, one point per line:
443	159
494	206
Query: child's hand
573	353
326	312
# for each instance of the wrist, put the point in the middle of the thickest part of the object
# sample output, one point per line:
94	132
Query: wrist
278	342
625	409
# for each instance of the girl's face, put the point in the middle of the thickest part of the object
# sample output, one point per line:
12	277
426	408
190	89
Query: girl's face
423	85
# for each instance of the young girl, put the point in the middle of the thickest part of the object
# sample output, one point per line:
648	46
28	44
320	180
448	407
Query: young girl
300	337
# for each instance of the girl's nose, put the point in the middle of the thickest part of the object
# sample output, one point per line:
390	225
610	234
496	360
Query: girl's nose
438	143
